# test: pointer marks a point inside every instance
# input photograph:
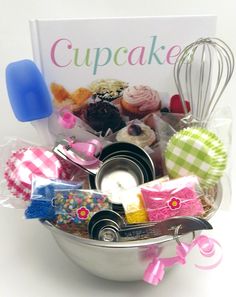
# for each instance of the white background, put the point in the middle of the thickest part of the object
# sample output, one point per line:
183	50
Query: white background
31	264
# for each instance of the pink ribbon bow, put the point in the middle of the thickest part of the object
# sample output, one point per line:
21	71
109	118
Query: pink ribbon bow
207	247
86	152
156	269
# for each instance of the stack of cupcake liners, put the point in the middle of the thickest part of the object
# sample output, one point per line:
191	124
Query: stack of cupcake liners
17	188
26	162
198	151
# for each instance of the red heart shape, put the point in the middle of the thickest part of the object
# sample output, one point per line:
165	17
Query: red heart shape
176	104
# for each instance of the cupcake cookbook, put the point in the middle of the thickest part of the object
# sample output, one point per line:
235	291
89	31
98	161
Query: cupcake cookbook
129	163
109	77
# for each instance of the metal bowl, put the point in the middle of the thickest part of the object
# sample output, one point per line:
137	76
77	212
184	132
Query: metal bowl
119	261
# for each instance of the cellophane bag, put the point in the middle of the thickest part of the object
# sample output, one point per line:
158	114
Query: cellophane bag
176	197
20	161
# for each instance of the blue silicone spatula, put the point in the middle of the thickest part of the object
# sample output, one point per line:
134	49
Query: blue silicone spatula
29	96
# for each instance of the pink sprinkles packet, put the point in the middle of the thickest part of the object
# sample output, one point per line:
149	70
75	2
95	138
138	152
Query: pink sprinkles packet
177	197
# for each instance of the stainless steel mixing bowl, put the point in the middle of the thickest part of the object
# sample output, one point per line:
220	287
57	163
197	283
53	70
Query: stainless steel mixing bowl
120	261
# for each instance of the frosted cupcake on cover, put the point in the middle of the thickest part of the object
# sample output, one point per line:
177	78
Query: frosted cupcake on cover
103	116
138	101
137	133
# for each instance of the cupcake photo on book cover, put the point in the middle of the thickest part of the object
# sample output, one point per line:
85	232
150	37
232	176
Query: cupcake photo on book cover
138	101
96	104
108	89
119	110
103	116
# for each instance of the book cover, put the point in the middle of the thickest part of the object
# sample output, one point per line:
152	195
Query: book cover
111	71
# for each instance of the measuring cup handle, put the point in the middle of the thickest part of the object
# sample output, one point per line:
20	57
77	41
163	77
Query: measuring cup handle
81	154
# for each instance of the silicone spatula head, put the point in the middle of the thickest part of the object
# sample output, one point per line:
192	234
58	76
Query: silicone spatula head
27	91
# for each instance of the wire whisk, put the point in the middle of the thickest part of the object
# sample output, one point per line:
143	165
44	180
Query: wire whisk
202	72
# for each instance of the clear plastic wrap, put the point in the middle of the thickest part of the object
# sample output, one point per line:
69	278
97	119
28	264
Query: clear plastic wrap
21	160
78	206
177	197
43	192
65	204
7	193
221	125
133	205
20	166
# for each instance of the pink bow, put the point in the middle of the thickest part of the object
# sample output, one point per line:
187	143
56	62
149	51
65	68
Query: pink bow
156	269
86	151
155	272
206	247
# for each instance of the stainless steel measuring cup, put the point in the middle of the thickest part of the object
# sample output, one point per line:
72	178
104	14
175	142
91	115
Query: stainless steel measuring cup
118	166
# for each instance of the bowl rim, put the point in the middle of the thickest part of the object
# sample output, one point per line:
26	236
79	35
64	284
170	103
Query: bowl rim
105	244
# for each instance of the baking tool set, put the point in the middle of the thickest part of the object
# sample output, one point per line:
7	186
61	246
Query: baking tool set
121	201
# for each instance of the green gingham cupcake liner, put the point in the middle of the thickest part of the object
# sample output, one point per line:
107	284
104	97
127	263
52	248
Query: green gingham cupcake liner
197	151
